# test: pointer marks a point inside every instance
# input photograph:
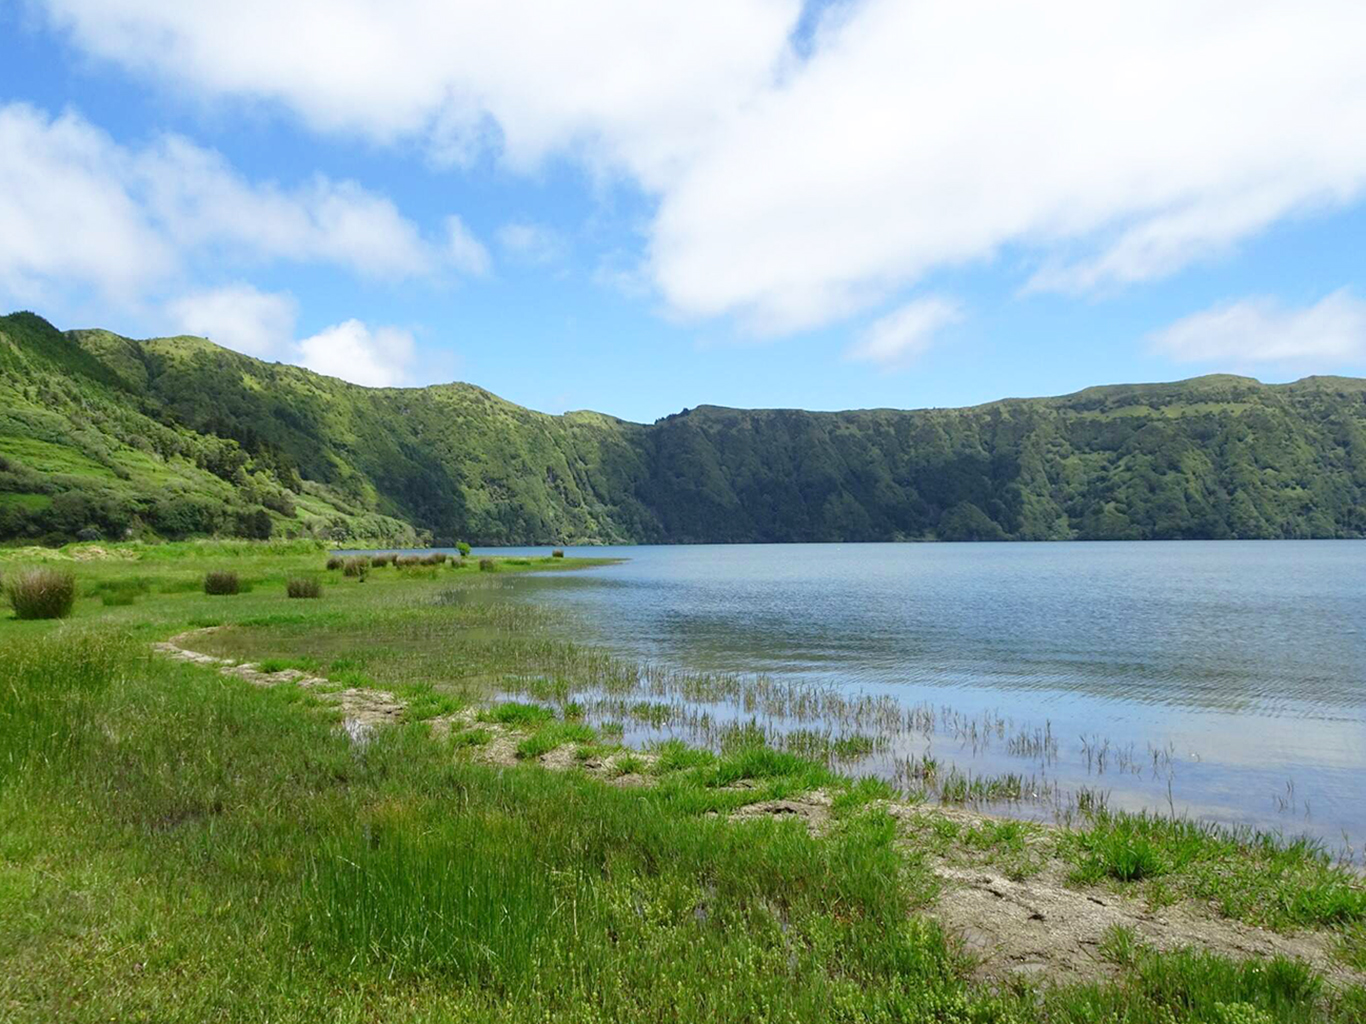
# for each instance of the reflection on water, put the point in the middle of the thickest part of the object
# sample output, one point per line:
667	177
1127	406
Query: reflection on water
1246	659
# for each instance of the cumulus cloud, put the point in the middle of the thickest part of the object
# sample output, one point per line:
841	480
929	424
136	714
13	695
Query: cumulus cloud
1102	143
377	357
898	338
633	83
1260	330
80	210
239	317
261	324
66	218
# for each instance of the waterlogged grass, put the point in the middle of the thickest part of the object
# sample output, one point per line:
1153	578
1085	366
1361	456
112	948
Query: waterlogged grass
1252	877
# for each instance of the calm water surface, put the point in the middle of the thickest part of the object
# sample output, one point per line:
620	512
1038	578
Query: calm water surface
1245	661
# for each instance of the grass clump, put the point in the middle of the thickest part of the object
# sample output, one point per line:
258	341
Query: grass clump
474	737
355	566
434	558
303	586
516	714
41	593
553	735
557	553
222	582
335	562
488	565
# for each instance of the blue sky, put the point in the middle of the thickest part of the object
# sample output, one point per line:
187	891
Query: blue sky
636	207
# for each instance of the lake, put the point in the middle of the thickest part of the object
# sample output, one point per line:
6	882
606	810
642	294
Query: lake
1224	680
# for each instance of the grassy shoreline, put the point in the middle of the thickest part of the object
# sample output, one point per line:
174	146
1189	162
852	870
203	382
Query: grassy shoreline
181	844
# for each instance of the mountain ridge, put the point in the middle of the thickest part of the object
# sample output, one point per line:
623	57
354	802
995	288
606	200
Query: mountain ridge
104	435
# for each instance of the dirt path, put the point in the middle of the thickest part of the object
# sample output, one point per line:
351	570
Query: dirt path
1038	926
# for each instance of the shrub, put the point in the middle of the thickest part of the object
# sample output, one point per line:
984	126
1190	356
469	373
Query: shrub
557	553
405	561
464	549
488	565
356	565
335	562
457	563
303	586
379	561
222	581
41	593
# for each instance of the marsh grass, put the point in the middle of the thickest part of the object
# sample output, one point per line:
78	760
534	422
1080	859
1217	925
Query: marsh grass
222	582
488	565
552	735
303	587
181	846
355	566
41	593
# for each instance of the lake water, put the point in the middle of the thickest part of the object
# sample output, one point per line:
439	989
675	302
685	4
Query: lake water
1225	680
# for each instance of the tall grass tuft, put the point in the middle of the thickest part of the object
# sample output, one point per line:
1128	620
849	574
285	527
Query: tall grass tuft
50	689
557	553
356	565
222	581
303	586
405	561
41	593
488	565
335	562
435	558
380	561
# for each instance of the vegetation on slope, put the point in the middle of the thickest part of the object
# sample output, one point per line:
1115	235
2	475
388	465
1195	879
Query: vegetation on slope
102	436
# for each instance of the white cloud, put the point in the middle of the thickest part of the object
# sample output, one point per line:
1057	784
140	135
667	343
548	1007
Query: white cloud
899	337
80	211
466	253
261	324
239	317
376	357
635	84
66	217
1262	331
1108	143
530	242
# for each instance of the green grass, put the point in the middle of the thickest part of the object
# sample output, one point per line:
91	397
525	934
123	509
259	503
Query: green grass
517	715
552	735
177	845
1251	877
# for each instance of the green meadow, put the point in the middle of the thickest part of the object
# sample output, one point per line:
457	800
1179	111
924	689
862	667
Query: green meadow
183	843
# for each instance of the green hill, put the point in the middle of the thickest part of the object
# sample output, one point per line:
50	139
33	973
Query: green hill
104	436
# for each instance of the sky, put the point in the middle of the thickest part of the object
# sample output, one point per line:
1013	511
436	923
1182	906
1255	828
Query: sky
637	207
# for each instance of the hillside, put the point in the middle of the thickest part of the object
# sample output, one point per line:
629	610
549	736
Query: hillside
104	436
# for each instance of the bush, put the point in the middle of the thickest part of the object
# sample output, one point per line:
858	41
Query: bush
488	565
557	553
457	563
464	549
356	565
435	558
379	561
405	561
41	593
335	562
303	586
222	581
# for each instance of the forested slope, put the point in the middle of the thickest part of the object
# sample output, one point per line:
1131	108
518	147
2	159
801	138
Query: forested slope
104	436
